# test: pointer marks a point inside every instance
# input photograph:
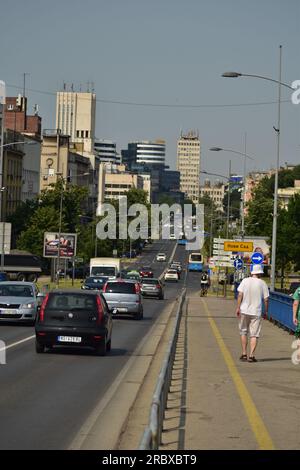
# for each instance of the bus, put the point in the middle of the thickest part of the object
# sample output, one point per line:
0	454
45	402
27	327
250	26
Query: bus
182	240
195	262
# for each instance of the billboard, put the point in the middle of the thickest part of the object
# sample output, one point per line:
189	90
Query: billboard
65	242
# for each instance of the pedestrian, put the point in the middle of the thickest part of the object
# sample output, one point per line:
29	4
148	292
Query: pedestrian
296	318
253	291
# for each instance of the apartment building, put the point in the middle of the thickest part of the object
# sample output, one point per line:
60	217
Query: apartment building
188	164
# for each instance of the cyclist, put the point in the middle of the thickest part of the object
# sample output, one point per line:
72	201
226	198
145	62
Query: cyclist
204	283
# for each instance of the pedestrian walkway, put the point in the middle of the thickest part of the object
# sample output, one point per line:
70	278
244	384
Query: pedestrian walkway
218	402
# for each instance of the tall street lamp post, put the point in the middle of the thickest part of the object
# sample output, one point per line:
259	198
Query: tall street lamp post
275	205
243	154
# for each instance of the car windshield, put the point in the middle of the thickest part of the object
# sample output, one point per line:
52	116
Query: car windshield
161	254
12	290
120	288
103	271
71	301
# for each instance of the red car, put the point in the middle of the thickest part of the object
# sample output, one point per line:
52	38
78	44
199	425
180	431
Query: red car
146	271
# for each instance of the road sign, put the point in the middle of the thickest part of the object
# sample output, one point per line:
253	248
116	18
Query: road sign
257	258
238	263
224	264
221	258
222	252
238	246
219	241
78	260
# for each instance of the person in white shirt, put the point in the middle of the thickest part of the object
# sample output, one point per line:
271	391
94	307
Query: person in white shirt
253	291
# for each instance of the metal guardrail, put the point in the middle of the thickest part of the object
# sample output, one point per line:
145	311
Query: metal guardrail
152	435
281	310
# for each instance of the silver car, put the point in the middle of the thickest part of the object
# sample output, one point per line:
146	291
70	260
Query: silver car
152	288
124	297
19	301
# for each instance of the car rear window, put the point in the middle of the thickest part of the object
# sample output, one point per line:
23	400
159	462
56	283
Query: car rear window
71	302
120	288
150	281
172	271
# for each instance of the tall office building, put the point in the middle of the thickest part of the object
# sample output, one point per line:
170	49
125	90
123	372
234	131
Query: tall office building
145	152
75	116
188	164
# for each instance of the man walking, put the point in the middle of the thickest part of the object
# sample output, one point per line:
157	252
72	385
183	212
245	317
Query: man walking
253	291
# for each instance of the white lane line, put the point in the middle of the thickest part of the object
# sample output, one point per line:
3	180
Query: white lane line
17	343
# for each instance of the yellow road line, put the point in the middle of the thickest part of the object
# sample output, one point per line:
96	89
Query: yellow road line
258	427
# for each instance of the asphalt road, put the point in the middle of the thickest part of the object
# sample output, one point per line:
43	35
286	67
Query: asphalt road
44	399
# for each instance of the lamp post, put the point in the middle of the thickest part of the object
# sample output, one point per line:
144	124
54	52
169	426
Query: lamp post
277	130
245	155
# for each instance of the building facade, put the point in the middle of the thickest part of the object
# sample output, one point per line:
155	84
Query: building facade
188	164
76	117
215	192
145	152
17	120
106	150
285	194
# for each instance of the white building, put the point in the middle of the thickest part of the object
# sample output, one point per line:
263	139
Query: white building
188	164
216	192
75	116
106	150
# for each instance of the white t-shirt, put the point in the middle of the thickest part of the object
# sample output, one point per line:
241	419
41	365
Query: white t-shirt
254	291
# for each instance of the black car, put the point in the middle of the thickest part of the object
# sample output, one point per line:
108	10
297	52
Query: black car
72	317
94	283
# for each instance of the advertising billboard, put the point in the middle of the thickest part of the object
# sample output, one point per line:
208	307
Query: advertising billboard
65	242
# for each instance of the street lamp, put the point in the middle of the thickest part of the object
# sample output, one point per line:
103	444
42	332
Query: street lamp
275	207
245	155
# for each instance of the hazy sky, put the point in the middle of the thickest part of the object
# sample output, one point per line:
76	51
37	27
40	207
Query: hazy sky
162	52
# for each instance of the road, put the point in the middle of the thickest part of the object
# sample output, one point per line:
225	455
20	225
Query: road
45	398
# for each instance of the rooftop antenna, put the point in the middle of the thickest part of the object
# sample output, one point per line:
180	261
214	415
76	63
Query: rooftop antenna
92	87
64	86
88	87
24	82
72	87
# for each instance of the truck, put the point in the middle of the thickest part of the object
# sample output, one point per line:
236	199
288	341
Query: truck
110	267
22	267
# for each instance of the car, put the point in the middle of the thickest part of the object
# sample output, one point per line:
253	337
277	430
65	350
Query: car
94	283
161	257
152	288
74	318
80	272
133	275
172	236
19	301
175	266
178	264
146	271
123	296
171	275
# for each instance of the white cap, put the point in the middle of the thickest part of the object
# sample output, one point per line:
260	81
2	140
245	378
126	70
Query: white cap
257	269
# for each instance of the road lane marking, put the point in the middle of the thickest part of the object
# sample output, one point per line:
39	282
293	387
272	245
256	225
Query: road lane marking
258	427
17	343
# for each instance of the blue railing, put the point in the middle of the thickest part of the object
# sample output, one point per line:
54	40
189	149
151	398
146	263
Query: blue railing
281	310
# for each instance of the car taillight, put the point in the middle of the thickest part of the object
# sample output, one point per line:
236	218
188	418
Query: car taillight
137	288
42	310
99	310
158	286
104	287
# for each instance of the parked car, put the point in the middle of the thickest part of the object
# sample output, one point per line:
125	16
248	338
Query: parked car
124	297
161	257
94	283
74	318
19	301
172	275
152	288
146	271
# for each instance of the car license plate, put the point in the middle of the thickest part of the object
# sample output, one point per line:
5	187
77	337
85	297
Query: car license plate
122	309
8	311
69	339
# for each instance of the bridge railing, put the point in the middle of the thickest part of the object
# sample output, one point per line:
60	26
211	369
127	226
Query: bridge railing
281	310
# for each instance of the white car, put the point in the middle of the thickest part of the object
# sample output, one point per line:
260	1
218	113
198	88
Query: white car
172	236
161	257
171	275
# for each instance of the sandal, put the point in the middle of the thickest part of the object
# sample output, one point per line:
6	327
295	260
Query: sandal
243	357
252	359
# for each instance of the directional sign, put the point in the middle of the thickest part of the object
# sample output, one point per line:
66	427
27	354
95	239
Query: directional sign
223	264
222	258
238	263
257	258
222	252
238	246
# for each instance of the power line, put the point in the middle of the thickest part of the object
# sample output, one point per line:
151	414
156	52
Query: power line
164	105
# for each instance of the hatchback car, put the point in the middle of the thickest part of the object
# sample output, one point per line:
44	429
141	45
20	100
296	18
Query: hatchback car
161	257
94	283
152	288
72	317
146	271
124	297
19	301
171	275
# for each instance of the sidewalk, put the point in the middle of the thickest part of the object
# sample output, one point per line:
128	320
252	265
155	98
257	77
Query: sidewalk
218	402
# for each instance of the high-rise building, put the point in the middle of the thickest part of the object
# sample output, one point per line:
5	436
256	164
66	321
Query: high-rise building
145	153
106	150
188	164
75	116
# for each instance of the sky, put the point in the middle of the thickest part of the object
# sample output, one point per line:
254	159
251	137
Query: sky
163	52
